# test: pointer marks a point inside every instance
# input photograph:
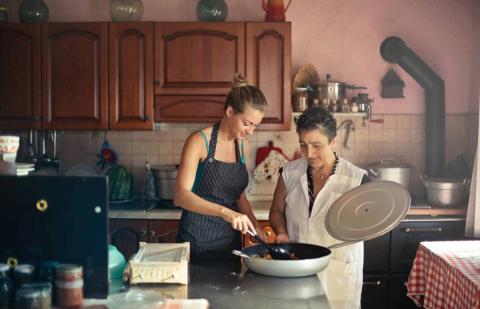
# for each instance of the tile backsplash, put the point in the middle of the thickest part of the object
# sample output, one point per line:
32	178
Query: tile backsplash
400	137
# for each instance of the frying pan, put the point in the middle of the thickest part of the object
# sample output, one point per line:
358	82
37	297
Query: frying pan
312	259
363	213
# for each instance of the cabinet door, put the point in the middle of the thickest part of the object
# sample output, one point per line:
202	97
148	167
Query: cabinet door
408	235
20	76
75	73
376	254
131	76
194	67
268	67
197	58
375	291
398	293
268	233
125	234
163	231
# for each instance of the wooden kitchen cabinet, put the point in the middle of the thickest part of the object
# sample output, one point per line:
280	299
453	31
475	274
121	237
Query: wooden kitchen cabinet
131	76
163	231
195	64
375	291
125	234
75	75
268	54
20	76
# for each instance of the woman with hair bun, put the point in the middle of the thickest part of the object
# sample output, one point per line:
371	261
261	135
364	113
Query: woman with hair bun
212	178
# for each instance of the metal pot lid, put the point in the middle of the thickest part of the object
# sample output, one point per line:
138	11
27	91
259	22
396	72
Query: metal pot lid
368	211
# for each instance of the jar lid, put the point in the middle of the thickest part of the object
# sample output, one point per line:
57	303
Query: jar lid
24	268
29	292
4	268
69	269
301	89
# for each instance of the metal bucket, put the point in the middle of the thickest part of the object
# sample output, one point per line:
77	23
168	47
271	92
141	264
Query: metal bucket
164	176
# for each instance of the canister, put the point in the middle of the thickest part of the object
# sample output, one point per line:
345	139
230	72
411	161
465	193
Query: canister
69	285
300	102
23	273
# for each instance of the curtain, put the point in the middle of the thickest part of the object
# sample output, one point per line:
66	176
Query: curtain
472	227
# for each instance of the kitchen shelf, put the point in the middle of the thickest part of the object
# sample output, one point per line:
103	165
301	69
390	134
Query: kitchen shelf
297	114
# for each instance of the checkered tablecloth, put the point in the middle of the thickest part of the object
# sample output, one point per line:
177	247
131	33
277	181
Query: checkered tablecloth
446	274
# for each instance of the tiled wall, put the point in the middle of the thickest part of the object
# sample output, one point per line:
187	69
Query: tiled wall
400	137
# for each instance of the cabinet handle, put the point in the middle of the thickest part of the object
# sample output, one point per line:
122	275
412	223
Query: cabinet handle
374	283
152	233
146	118
143	232
157	83
423	230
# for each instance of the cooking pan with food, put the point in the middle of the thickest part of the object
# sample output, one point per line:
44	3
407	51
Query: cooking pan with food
364	213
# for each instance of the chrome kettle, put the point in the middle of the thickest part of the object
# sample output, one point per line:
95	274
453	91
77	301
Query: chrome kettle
275	9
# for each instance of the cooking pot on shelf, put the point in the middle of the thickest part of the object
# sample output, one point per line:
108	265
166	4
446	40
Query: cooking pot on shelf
445	191
333	90
363	213
391	170
164	177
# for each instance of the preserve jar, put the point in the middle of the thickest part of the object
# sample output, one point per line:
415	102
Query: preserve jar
23	273
34	296
300	102
69	285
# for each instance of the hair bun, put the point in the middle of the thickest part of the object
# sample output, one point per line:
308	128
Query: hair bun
239	81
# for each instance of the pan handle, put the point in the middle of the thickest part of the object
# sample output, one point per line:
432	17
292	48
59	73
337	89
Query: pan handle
240	253
341	244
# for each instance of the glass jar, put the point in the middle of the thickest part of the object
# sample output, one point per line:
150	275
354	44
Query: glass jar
212	10
324	104
23	273
6	291
300	102
34	296
69	285
3	14
126	10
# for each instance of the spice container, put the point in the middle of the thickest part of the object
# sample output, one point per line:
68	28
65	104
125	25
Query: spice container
333	107
69	285
300	103
315	103
345	106
354	108
324	105
23	273
6	291
34	296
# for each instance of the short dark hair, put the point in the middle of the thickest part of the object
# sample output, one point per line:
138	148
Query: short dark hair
320	119
242	94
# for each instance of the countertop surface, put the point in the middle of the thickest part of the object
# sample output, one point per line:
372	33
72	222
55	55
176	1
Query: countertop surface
227	285
166	211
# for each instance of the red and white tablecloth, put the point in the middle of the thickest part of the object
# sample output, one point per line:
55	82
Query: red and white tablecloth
446	274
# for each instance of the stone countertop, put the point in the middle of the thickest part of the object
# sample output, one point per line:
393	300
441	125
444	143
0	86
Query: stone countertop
138	210
226	285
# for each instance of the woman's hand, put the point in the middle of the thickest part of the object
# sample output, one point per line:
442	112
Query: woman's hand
281	238
239	221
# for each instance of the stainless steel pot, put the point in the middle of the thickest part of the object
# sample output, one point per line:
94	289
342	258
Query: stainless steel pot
164	176
445	191
392	171
333	90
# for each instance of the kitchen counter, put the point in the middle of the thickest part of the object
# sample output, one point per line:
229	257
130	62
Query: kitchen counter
227	285
138	210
